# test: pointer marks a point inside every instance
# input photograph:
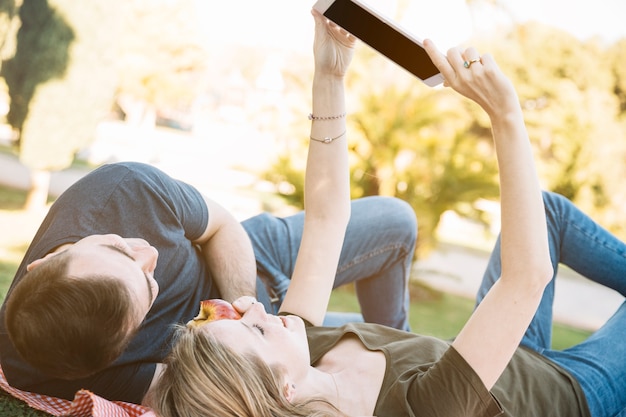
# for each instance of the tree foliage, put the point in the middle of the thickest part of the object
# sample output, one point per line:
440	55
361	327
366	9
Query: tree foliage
434	149
60	82
407	140
421	146
427	146
570	92
72	58
61	79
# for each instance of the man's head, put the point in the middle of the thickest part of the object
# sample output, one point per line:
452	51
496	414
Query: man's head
75	310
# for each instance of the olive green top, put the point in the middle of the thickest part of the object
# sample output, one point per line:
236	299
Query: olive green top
426	376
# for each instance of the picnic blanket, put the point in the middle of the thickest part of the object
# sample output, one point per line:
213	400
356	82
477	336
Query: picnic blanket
85	404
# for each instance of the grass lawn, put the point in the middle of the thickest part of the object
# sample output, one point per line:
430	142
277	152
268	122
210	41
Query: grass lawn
432	312
442	315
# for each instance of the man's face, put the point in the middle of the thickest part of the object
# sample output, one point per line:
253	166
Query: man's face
132	261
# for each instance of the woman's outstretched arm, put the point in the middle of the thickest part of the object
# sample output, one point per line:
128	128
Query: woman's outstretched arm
492	334
327	185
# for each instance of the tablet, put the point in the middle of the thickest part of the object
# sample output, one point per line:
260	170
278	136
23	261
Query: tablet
382	35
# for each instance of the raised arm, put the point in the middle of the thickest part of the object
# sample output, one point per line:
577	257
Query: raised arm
492	334
327	186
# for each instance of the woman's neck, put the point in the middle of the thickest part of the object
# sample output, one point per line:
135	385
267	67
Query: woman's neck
319	384
349	376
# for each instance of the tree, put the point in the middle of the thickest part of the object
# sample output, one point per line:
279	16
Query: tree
422	146
571	111
73	57
434	151
425	146
61	81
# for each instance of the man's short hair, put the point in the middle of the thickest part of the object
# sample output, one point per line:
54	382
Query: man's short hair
69	327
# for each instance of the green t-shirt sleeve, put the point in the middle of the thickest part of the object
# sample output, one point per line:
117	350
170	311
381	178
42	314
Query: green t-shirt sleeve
451	388
306	322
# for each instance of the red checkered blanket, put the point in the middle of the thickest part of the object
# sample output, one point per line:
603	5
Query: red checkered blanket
85	404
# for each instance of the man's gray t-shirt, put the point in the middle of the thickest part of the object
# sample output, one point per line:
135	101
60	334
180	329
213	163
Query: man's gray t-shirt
131	200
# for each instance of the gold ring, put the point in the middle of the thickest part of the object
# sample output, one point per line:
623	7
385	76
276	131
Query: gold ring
469	63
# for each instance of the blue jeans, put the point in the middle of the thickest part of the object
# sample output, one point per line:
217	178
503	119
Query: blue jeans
377	256
598	363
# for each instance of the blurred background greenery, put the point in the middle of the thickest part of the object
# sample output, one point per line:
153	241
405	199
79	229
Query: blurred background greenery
72	68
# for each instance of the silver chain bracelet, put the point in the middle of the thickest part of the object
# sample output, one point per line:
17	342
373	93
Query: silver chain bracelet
341	116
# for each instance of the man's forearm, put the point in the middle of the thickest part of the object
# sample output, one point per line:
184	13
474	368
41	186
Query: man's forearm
231	261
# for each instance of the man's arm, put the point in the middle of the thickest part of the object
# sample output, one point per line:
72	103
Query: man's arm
230	257
228	253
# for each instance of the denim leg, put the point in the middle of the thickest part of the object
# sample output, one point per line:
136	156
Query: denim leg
377	255
577	241
378	258
585	246
599	365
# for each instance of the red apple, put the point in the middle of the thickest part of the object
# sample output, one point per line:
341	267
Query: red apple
214	309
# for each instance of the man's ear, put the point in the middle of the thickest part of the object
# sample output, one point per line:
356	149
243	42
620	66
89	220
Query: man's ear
34	264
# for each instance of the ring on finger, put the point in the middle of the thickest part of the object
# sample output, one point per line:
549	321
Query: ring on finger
469	63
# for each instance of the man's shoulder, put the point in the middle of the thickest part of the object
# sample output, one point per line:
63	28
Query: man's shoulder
121	175
124	169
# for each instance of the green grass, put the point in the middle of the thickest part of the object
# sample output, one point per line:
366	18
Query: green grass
11	199
439	314
7	269
12	407
432	312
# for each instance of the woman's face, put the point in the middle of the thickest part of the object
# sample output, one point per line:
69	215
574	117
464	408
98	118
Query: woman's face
277	340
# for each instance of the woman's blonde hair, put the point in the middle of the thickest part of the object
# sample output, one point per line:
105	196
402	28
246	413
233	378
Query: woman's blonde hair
203	377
